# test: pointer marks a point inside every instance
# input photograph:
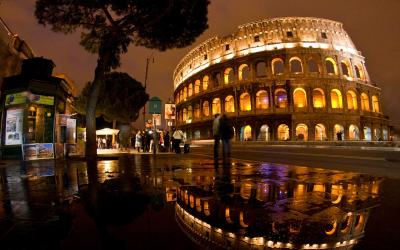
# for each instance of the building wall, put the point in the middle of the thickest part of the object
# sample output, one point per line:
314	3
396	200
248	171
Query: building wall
298	56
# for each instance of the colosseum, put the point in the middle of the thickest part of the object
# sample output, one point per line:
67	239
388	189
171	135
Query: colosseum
290	78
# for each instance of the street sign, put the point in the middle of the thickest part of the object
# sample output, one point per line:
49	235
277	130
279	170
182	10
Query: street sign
155	105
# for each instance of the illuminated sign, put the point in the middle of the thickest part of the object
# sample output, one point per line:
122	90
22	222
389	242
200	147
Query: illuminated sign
16	98
14	121
37	151
170	111
41	99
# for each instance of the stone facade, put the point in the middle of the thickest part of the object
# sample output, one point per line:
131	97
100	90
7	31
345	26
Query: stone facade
292	78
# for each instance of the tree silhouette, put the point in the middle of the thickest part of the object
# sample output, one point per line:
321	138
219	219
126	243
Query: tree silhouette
120	99
108	27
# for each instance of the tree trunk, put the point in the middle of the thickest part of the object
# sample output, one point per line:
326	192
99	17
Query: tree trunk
97	84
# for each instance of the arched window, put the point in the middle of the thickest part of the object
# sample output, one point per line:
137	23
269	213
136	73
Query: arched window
244	72
181	98
197	87
206	108
351	100
367	133
246	133
313	66
364	102
205	83
228	76
229	104
245	103
295	65
264	133
197	111
280	98
318	98
299	98
261	69
375	104
217	80
338	132
216	106
190	113
330	65
358	73
302	132
283	132
336	99
345	68
184	114
184	93
277	66
190	90
262	101
354	132
320	132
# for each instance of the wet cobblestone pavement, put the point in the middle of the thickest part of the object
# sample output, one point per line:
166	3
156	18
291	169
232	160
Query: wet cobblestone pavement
187	202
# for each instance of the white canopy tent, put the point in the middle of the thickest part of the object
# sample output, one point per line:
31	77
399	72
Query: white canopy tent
107	131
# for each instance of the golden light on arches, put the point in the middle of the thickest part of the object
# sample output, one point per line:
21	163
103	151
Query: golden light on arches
241	220
336	99
300	98
333	229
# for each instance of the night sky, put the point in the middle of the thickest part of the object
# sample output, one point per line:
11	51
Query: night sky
373	26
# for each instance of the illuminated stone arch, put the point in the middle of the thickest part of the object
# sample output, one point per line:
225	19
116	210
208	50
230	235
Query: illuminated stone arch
277	66
245	133
345	65
261	69
198	201
283	132
196	111
313	65
228	75
245	102
338	132
296	65
375	104
320	132
318	98
228	215
206	108
300	98
197	87
244	72
206	80
354	132
302	132
181	95
264	133
331	67
359	72
184	93
281	98
190	90
184	114
367	133
262	100
336	99
364	102
190	113
229	104
351	100
216	106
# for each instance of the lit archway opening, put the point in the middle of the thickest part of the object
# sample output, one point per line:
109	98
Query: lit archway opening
320	132
302	132
283	132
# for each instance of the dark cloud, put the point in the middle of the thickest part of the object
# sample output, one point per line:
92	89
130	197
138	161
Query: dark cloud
372	25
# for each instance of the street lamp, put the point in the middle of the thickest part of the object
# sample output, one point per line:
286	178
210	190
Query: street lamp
145	83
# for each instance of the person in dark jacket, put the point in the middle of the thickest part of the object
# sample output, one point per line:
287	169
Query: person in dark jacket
226	133
166	141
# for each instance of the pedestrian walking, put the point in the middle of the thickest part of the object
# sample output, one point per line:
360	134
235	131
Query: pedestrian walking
178	137
226	133
138	141
216	135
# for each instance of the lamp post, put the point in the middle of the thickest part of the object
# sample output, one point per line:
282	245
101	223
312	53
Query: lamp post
145	84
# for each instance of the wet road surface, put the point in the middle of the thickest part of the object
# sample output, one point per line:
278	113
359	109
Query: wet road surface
148	202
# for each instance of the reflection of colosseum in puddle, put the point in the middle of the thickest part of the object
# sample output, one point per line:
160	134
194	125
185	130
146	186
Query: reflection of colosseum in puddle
300	212
291	78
